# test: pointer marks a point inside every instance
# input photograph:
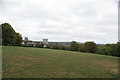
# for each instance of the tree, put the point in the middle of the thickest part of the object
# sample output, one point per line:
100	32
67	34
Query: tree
90	47
18	39
82	48
104	50
8	34
74	46
114	49
118	49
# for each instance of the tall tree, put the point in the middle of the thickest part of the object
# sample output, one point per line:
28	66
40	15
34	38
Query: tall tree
8	34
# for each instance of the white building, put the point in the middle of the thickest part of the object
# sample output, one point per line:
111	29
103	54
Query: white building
45	41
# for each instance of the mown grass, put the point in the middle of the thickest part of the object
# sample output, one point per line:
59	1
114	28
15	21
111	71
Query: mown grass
22	62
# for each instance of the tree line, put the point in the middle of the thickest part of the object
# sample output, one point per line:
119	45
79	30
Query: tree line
90	47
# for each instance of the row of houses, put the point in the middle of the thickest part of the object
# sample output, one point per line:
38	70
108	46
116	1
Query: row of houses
28	42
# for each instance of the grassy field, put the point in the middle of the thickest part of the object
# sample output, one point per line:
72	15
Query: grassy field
21	62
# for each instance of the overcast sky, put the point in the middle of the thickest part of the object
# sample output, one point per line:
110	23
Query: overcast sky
63	20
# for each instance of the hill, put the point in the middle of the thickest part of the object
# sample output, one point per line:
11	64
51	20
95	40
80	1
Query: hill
23	62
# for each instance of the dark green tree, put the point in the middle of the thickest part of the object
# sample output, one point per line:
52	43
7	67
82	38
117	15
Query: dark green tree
74	46
82	48
18	39
104	50
90	47
8	34
114	49
118	47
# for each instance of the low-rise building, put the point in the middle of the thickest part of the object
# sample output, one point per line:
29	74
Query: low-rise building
28	42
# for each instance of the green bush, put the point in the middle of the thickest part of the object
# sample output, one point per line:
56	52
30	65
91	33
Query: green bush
114	49
104	50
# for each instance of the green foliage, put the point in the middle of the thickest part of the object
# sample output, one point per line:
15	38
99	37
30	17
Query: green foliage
109	49
55	46
74	46
82	48
114	49
9	36
18	39
118	49
103	50
90	47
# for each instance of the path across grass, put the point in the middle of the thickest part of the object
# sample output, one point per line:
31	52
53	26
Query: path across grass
23	62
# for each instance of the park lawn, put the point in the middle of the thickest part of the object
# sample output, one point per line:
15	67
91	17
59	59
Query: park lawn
25	62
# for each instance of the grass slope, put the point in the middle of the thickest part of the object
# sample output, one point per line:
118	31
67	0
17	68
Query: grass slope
21	62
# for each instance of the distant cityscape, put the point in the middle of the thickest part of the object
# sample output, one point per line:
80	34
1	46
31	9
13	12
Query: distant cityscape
45	42
26	41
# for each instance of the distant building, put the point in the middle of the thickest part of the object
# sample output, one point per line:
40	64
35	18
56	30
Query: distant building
45	41
28	42
26	39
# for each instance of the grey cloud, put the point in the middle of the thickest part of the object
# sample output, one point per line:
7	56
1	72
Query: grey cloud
63	20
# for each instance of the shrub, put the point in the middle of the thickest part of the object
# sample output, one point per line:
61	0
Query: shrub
114	49
104	50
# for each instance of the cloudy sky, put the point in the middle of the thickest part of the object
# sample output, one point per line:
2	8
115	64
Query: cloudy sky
63	20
